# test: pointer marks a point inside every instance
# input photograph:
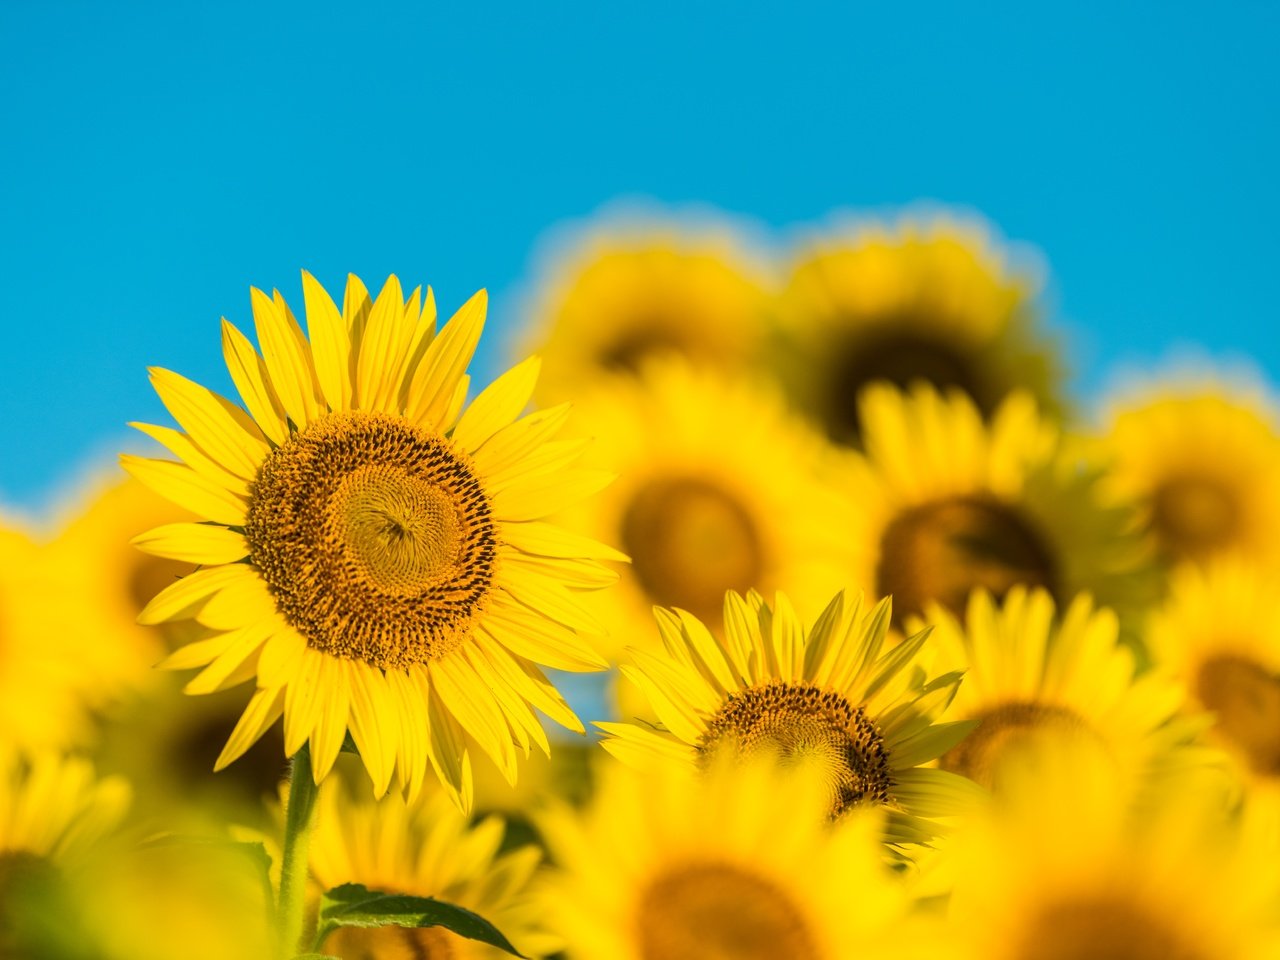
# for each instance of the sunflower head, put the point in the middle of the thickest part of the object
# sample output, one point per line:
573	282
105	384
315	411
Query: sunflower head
372	555
622	297
830	696
926	301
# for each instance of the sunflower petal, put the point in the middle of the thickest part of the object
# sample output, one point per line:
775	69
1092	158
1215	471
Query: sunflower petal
498	405
199	543
330	343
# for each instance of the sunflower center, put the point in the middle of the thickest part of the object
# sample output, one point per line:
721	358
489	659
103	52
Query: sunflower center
690	541
1194	515
942	551
1004	730
393	943
376	538
1246	699
642	339
717	911
1102	929
804	723
900	357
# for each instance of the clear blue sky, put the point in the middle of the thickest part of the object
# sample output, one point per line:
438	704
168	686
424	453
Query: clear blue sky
156	160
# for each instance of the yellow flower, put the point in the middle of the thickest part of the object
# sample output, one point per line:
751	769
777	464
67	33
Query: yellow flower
1068	868
718	488
1219	633
622	297
830	695
373	557
425	849
1029	678
949	504
739	864
48	684
929	300
1203	463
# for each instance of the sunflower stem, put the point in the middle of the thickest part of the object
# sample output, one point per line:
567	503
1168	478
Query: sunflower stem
299	818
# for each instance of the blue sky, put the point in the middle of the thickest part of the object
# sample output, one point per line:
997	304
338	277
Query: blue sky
156	160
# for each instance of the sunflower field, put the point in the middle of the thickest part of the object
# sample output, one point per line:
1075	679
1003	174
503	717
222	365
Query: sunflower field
770	605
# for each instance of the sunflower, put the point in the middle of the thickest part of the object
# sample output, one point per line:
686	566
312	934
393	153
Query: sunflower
48	688
622	296
736	865
949	503
54	810
930	300
159	739
1203	463
426	849
372	556
701	509
1070	867
830	694
1219	633
1027	676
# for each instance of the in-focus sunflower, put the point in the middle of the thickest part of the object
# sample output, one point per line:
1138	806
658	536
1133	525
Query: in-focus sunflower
373	557
425	849
935	301
48	687
702	508
1203	464
1066	867
739	864
949	503
623	296
831	694
1029	678
1219	633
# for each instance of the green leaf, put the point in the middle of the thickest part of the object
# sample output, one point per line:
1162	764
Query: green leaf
353	905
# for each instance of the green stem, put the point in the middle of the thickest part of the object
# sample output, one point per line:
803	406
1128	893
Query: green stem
299	817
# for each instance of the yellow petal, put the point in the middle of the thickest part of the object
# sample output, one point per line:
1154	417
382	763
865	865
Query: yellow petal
332	720
302	702
214	423
200	543
498	405
527	680
281	660
245	643
249	374
434	383
182	599
510	445
287	360
379	358
264	709
330	343
453	683
180	445
547	494
548	540
374	726
184	487
449	754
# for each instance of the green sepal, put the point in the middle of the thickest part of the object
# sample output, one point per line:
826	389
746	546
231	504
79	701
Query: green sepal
353	905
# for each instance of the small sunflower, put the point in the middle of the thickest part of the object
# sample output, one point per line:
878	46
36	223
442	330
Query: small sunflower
950	503
933	301
831	694
425	849
1027	676
701	509
373	556
735	865
1068	868
622	297
1203	464
1219	633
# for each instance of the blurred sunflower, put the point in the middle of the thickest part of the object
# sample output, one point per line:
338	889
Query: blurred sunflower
1203	463
624	296
425	849
831	696
53	811
373	556
933	301
950	504
739	864
1219	633
701	509
1029	679
1066	868
48	688
159	739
